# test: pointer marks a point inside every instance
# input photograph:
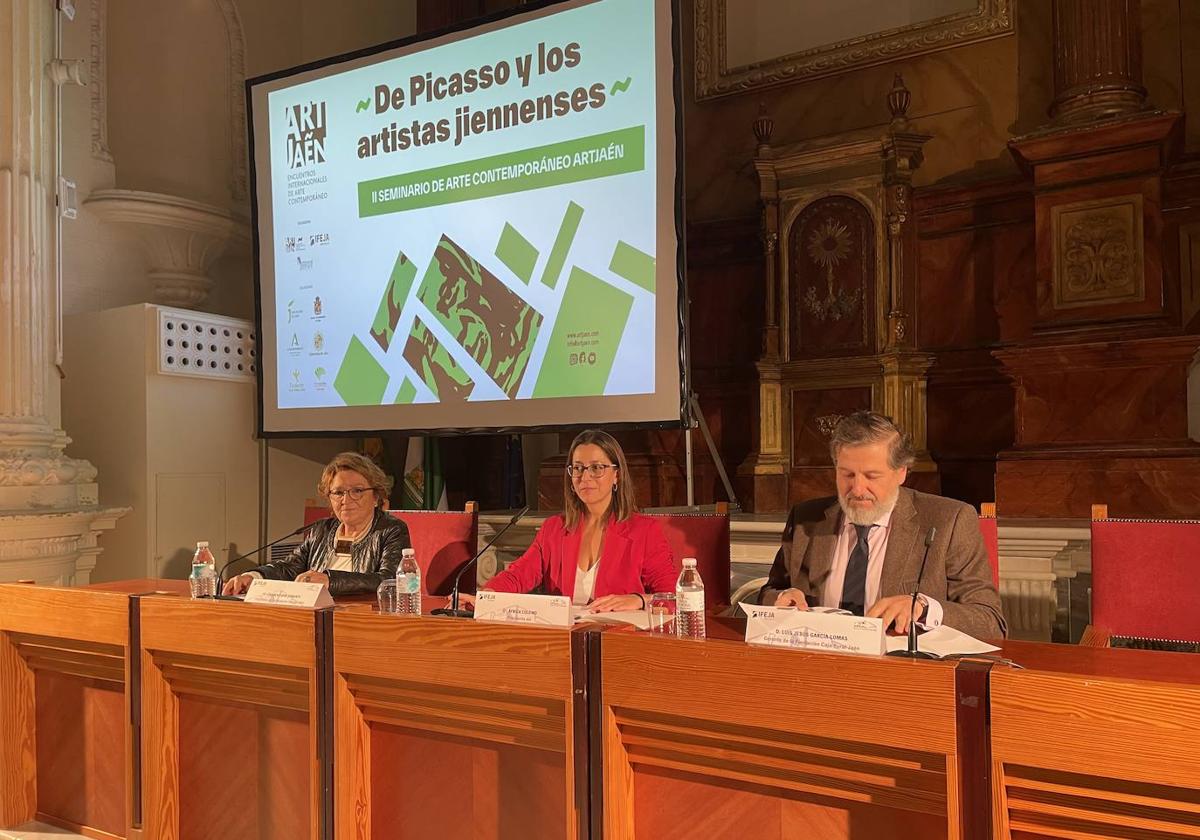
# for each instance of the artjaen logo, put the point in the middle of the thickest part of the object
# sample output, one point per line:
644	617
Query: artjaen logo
305	134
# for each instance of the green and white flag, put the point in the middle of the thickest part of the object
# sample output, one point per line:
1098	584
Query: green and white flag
423	487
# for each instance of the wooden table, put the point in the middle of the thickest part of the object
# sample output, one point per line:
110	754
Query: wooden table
69	752
719	739
450	729
1095	743
235	720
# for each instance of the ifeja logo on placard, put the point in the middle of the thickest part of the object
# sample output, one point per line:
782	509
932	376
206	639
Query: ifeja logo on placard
306	128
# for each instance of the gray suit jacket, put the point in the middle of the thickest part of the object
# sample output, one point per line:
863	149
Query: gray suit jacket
958	574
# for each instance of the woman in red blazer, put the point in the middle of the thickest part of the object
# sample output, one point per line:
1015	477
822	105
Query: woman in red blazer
600	551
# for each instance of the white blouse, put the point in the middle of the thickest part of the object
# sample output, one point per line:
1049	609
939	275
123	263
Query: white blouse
585	584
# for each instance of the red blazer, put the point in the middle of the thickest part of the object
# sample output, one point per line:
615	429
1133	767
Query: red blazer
635	559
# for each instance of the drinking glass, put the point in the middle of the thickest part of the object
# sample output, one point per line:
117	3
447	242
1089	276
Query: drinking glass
662	613
388	602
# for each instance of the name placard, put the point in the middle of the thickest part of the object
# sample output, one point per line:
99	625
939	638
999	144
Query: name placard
517	608
289	593
813	630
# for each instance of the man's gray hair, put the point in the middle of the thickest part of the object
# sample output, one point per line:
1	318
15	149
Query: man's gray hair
866	427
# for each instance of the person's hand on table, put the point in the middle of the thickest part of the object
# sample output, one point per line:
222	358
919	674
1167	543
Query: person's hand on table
313	577
896	610
237	585
465	601
791	598
616	603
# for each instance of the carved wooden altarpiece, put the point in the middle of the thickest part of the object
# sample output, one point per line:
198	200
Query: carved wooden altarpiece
839	243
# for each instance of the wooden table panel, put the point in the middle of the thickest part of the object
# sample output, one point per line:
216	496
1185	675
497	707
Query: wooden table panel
708	738
460	789
471	723
66	744
80	778
1104	743
231	719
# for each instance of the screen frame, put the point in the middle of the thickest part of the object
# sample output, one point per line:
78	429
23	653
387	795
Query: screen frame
685	419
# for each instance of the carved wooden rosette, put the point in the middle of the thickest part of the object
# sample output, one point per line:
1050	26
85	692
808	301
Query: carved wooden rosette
839	246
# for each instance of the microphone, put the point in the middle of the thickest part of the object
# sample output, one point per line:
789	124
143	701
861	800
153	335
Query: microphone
221	574
453	609
911	652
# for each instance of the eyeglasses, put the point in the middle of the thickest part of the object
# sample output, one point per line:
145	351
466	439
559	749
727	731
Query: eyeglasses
354	493
594	470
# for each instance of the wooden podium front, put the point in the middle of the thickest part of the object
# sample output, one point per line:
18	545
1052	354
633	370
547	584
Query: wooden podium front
450	729
1095	743
234	721
719	739
66	750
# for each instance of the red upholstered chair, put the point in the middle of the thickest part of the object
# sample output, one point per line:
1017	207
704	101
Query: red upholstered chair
315	510
444	540
991	538
704	536
1145	580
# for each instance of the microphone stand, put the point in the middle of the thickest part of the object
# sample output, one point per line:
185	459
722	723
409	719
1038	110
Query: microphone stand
911	651
453	609
224	568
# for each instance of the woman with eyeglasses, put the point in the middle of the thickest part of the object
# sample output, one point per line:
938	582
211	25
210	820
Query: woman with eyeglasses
600	552
353	550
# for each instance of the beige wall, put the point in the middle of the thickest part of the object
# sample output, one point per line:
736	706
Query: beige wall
169	90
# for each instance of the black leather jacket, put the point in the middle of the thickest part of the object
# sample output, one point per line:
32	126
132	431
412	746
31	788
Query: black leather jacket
374	557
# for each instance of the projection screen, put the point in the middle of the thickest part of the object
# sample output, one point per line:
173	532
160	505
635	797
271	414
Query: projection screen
480	230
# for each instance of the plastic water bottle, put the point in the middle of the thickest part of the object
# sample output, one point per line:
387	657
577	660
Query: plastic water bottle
203	580
689	602
408	584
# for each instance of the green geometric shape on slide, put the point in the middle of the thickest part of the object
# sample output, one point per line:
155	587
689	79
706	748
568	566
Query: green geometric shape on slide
587	333
562	244
516	252
635	266
387	316
360	380
407	393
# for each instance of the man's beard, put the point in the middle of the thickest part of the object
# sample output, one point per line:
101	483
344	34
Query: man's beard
871	515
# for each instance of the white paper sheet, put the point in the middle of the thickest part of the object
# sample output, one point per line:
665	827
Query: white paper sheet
943	641
638	618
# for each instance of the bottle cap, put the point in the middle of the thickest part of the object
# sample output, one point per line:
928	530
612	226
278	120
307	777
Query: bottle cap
408	552
689	562
202	544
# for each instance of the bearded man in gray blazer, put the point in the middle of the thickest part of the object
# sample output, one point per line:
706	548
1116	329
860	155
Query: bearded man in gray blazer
862	550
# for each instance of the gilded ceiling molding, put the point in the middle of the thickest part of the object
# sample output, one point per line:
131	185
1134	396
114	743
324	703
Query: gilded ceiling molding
714	78
98	76
236	80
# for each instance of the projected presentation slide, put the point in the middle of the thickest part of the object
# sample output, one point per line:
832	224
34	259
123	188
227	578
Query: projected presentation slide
471	232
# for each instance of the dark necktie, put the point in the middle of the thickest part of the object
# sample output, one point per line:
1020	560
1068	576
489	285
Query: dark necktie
854	587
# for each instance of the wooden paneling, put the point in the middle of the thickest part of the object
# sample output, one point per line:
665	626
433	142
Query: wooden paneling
230	706
262	775
66	754
81	778
482	717
1096	748
464	788
814	413
769	743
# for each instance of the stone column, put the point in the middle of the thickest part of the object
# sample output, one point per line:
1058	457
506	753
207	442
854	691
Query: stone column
1097	59
48	502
